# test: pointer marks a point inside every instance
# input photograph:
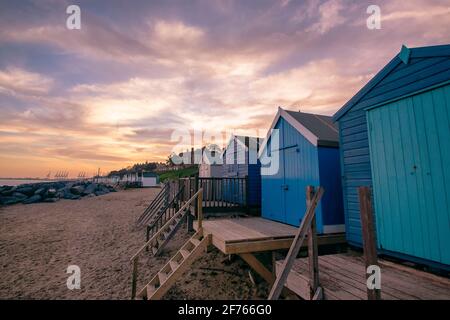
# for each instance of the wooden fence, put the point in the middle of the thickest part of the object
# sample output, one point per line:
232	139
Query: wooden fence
219	194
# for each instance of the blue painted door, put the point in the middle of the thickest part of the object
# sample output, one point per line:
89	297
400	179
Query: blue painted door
301	168
410	156
272	197
294	197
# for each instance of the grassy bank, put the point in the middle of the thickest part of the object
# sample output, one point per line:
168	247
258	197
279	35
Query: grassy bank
181	173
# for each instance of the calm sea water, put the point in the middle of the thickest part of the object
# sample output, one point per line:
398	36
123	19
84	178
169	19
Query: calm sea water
16	182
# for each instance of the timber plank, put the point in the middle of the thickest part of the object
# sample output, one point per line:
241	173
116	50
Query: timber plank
246	235
333	289
342	276
409	282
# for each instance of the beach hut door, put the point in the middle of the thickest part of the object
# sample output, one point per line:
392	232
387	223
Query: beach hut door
293	198
410	156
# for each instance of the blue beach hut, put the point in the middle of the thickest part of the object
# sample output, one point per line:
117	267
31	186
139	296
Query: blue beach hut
395	137
304	150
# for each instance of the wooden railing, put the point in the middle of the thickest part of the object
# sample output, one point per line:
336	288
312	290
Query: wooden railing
162	197
199	215
165	214
219	194
307	227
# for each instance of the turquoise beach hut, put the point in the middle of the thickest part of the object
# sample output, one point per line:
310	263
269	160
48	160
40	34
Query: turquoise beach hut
395	137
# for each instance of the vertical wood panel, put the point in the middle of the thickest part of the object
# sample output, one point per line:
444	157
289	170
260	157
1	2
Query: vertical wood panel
409	144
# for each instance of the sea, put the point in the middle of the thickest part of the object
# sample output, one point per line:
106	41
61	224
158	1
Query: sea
17	182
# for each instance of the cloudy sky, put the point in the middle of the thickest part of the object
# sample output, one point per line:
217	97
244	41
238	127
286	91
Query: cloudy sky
112	93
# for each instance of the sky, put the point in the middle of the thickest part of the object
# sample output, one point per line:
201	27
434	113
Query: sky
116	91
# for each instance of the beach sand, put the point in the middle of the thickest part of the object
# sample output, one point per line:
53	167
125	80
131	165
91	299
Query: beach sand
39	241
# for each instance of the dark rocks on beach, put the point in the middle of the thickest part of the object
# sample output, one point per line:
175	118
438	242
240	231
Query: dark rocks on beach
7	200
6	190
40	191
90	189
52	191
77	190
32	199
99	193
71	196
26	189
19	196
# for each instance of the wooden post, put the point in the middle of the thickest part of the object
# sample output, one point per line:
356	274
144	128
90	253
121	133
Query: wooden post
274	263
259	268
134	277
196	181
368	234
295	246
247	195
147	236
189	221
313	258
200	210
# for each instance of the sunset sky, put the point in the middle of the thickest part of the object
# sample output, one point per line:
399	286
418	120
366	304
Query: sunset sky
112	93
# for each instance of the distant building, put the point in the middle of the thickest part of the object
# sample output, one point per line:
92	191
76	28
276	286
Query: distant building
149	179
240	159
209	168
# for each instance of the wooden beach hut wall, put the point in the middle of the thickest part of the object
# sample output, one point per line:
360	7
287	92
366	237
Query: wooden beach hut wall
240	159
395	137
308	154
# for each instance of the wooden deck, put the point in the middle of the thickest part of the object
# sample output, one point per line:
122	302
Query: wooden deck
342	277
246	235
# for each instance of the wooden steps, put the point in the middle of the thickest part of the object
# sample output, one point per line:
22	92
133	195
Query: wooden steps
167	232
166	277
155	207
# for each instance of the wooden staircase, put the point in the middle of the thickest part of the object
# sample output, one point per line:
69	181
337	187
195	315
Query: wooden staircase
155	207
167	231
176	266
168	213
165	278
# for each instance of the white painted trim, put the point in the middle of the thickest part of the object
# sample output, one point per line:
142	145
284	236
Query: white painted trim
335	228
269	132
291	120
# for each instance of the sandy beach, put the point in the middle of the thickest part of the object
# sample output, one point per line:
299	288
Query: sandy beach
39	241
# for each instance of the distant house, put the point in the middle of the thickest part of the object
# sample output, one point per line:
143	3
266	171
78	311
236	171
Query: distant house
149	179
208	167
240	159
130	177
305	151
394	136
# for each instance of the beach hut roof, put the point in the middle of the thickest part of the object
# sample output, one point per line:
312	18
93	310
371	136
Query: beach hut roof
403	57
318	129
323	128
